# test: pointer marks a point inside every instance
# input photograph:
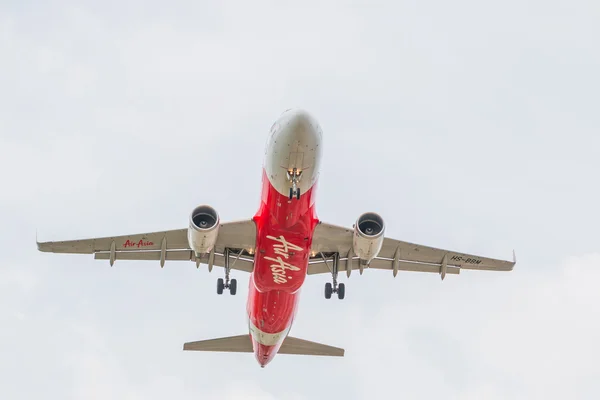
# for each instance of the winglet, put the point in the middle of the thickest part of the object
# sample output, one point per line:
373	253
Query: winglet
514	257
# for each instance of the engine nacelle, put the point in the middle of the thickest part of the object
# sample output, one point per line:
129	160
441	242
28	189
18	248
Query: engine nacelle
204	229
368	236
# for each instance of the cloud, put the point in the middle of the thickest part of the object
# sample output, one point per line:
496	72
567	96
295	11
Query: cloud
535	336
545	337
100	373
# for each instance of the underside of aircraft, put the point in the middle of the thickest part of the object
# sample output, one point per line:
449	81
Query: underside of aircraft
280	246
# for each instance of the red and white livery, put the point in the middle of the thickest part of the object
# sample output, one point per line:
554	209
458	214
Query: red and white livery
283	243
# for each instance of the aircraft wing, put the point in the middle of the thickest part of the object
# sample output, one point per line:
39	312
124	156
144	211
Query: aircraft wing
164	246
394	255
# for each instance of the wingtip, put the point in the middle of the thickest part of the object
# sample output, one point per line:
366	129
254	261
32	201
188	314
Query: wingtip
37	242
42	246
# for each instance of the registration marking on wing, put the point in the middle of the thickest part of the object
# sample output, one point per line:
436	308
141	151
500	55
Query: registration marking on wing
468	260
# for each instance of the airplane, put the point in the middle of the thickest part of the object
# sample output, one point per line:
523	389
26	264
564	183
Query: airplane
279	246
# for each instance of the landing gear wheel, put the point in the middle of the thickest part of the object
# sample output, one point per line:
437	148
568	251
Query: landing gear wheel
291	193
328	290
298	194
220	286
341	291
233	287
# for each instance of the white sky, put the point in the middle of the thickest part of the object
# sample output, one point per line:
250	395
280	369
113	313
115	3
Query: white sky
467	125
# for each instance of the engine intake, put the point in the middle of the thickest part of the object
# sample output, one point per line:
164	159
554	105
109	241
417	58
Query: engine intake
368	236
204	229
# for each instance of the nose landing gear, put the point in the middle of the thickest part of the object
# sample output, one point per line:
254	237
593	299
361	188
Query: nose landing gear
294	177
294	192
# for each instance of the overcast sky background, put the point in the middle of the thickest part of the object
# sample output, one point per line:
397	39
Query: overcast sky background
467	125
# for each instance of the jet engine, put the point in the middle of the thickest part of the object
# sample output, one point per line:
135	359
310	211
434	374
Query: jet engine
368	236
204	229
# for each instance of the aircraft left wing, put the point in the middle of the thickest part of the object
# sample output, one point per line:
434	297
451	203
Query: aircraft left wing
171	245
394	255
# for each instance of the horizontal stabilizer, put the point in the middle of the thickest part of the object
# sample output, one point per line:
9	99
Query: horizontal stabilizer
235	344
292	345
243	344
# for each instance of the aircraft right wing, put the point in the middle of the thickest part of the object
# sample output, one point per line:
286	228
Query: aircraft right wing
394	255
169	245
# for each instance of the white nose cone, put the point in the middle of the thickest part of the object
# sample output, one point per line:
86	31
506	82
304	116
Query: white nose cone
295	143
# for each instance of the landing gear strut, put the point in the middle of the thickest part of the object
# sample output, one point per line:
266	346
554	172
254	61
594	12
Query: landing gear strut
231	286
330	288
294	177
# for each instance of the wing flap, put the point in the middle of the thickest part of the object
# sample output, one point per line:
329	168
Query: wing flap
380	263
320	267
147	255
243	263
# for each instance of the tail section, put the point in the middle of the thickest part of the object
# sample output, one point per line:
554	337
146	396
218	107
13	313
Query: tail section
243	344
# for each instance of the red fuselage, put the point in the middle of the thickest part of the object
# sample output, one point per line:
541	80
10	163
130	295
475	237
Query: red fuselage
284	232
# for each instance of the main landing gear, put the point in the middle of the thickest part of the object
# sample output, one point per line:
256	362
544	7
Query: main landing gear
334	287
227	284
340	290
294	177
231	286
